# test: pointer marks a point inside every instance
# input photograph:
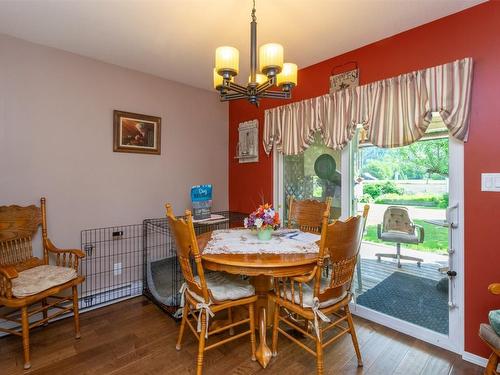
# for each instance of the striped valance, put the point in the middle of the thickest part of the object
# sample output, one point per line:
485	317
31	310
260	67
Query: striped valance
395	112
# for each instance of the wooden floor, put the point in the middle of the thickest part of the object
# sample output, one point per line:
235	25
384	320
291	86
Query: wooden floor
135	337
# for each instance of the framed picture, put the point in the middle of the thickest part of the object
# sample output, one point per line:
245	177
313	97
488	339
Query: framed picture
133	132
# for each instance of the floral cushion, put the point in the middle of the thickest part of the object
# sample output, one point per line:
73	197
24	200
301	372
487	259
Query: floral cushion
225	287
494	318
308	295
38	279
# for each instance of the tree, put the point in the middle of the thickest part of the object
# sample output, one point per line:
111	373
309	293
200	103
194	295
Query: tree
380	169
426	158
422	159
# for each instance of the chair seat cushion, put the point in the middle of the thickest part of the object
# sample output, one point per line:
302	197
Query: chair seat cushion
37	279
308	295
225	287
494	318
397	236
489	335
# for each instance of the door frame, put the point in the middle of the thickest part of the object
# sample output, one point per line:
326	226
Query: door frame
455	341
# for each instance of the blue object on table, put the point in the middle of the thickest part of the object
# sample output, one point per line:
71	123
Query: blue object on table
201	198
494	318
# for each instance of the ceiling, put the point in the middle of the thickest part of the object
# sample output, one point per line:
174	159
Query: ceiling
176	39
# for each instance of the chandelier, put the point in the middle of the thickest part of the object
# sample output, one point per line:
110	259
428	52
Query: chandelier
272	71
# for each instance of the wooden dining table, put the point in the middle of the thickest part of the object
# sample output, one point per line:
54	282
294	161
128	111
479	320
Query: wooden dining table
262	268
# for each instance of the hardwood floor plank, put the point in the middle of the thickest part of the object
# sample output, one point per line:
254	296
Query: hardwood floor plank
135	337
389	360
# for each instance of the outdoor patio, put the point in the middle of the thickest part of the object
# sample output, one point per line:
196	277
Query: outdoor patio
410	293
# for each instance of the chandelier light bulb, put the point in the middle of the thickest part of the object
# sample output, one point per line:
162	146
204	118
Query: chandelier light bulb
271	58
259	79
227	60
288	75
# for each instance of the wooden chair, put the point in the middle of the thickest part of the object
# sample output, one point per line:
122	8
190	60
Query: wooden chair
315	296
307	215
205	295
490	337
26	280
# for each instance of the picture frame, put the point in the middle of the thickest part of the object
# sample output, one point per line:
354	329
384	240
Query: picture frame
136	133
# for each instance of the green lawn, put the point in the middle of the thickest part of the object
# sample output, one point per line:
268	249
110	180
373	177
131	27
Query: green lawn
435	239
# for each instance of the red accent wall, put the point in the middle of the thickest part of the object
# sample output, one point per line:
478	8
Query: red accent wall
474	32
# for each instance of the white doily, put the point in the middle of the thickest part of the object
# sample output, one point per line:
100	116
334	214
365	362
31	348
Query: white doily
245	241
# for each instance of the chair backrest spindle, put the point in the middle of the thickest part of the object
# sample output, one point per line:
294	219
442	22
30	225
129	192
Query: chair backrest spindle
17	227
187	248
307	215
340	241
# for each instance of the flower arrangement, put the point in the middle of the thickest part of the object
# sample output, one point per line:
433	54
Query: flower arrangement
265	219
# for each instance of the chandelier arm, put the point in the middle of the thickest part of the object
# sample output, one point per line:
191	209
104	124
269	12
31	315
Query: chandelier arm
228	97
276	94
263	87
235	87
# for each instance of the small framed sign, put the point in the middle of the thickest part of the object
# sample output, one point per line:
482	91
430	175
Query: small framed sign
133	132
201	197
344	80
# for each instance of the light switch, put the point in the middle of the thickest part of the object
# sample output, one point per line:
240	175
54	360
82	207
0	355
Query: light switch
490	182
497	182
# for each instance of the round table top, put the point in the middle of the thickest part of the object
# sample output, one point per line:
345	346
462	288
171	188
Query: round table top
256	264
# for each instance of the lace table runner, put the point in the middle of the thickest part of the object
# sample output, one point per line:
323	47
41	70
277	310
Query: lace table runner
244	241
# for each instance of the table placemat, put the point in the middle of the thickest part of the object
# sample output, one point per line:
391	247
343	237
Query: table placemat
245	241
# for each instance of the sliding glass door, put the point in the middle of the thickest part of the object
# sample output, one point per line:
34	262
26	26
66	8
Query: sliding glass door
407	276
412	284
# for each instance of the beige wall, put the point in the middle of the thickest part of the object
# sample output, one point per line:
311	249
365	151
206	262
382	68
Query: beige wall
56	122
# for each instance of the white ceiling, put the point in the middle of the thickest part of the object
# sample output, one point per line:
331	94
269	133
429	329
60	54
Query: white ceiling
176	39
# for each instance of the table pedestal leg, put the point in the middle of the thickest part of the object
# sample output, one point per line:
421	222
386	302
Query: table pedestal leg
263	353
264	307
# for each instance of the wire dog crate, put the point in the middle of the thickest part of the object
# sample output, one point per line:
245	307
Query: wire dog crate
112	266
162	275
126	261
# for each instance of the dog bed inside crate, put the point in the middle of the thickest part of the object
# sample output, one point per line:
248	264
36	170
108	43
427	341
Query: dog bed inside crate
162	273
163	277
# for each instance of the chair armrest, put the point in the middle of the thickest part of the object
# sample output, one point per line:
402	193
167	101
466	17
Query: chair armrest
53	249
306	277
494	288
421	232
64	257
7	273
379	231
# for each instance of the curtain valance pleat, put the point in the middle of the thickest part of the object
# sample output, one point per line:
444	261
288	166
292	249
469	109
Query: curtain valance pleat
395	112
449	88
398	110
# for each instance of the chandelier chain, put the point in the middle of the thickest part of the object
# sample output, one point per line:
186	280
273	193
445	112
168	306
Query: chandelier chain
253	12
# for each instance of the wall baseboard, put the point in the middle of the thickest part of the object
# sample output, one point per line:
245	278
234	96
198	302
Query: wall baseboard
473	358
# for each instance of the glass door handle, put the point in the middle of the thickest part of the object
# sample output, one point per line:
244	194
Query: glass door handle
451	303
452	224
449	220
